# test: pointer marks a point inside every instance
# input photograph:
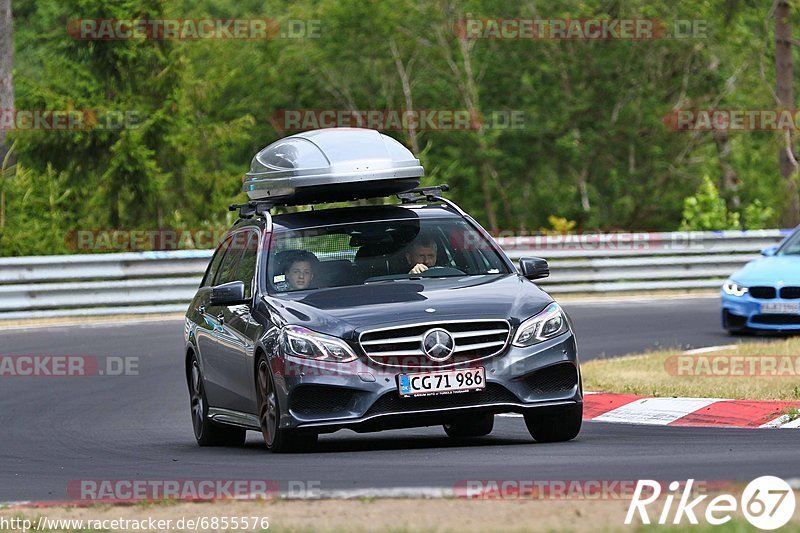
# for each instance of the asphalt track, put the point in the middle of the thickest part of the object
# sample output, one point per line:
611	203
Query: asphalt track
57	430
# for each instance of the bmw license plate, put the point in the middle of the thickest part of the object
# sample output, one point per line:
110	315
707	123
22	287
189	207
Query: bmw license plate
445	382
781	308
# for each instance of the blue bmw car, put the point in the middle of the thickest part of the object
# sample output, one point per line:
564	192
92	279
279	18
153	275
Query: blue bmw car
765	294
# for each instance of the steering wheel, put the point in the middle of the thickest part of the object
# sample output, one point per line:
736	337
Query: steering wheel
442	271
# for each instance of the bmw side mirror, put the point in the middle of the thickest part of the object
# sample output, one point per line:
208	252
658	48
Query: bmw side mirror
534	268
769	250
231	293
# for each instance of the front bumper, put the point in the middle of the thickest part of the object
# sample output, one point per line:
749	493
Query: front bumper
364	397
744	312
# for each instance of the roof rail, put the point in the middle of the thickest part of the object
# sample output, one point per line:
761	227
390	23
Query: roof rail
431	194
423	193
254	208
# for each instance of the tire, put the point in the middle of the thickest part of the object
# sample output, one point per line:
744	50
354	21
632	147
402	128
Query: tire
277	439
558	426
470	427
206	432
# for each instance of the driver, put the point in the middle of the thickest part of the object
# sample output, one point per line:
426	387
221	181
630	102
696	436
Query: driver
421	255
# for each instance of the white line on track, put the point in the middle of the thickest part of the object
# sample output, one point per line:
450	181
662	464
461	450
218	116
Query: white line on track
709	349
396	492
4	505
354	494
655	411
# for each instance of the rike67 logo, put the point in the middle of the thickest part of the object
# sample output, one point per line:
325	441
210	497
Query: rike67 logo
767	503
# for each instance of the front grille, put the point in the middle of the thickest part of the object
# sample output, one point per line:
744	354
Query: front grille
763	293
552	379
777	320
394	403
320	399
790	293
401	346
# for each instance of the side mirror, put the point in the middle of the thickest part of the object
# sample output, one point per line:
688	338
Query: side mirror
769	250
231	293
534	268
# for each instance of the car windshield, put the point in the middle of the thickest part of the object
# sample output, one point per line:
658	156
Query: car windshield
791	246
375	252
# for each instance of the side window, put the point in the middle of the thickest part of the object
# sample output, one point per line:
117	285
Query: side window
213	267
247	265
230	264
239	263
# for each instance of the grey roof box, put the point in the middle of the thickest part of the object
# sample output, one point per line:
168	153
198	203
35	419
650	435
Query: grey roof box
331	165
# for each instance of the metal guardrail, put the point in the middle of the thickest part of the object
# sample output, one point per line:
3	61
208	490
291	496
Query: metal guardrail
164	282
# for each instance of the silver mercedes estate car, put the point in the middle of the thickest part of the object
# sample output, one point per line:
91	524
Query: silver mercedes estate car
369	317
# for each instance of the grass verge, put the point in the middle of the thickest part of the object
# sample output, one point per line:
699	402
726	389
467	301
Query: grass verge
748	371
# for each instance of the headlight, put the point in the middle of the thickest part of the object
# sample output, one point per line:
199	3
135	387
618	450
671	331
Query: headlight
734	289
548	324
302	342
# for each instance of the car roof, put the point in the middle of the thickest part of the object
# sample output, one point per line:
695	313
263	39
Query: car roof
349	215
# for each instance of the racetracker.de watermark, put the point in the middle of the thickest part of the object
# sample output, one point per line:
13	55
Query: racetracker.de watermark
398	119
24	366
120	240
733	366
67	120
197	523
86	29
581	29
552	489
133	490
124	240
600	240
732	120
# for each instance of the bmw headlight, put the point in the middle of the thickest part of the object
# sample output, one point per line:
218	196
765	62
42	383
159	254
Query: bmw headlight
302	342
548	324
734	289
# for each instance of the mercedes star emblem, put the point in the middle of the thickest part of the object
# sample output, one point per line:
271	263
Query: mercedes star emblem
438	344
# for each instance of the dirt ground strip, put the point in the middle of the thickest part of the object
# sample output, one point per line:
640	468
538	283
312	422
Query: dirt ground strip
522	513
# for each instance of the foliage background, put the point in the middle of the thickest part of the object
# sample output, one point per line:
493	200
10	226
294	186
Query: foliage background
594	150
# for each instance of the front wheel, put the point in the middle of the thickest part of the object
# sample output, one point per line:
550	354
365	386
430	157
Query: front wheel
206	432
558	426
470	427
277	439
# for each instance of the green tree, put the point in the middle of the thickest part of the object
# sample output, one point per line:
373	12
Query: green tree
707	211
593	147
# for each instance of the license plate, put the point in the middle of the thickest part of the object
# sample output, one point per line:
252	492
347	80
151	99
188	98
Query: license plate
444	382
781	308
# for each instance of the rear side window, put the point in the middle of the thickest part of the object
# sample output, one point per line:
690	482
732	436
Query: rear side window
213	267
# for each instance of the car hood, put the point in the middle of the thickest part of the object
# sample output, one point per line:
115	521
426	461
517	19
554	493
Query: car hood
773	271
346	311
